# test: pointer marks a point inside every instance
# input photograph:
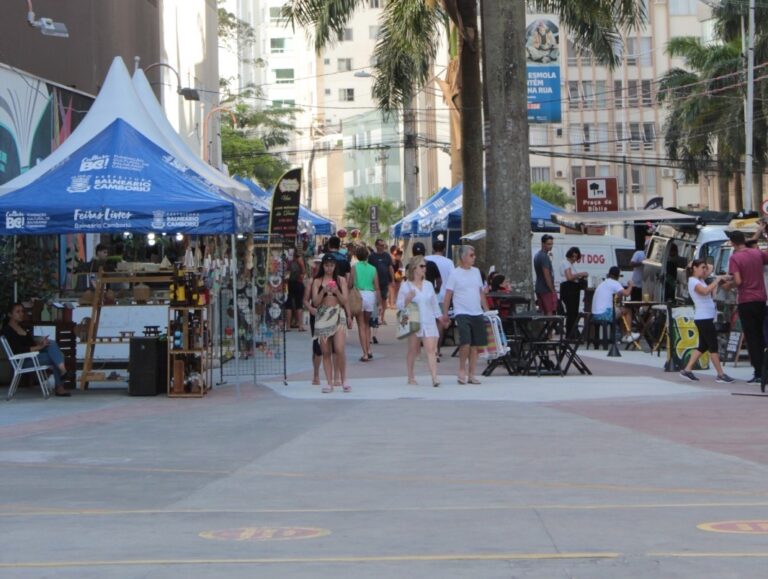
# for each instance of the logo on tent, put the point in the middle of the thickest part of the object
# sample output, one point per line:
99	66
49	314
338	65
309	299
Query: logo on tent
158	220
14	220
175	163
80	184
94	163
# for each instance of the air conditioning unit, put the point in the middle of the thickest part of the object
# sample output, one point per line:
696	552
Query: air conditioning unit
667	173
561	174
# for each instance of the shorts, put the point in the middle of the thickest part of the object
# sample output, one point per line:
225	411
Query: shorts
295	299
472	330
547	303
369	300
707	336
606	316
384	291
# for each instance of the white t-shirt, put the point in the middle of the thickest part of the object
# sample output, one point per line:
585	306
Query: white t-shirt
637	271
466	285
565	266
445	266
705	305
603	298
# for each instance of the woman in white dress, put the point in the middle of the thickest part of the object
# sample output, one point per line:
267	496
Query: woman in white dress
419	291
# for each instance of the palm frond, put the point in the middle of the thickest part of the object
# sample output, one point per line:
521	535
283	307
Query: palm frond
325	19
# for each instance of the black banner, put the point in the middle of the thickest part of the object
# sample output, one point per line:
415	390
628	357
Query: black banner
284	218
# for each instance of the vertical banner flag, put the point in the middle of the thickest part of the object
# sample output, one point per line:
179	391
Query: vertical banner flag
542	56
284	217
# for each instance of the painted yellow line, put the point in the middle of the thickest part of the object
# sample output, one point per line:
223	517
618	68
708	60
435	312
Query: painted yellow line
52	512
724	555
314	560
116	468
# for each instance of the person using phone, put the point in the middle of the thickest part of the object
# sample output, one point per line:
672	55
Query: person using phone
21	341
329	296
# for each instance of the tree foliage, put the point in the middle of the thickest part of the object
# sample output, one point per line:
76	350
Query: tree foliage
551	193
248	157
358	214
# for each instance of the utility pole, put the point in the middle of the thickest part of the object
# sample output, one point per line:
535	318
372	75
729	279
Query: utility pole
410	152
748	112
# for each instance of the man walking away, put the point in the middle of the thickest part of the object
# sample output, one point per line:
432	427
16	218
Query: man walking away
382	261
444	269
546	296
465	289
746	267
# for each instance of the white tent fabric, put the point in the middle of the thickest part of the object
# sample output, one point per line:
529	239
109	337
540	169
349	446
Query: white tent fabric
179	148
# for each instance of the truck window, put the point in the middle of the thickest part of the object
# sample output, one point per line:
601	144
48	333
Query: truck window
721	267
624	258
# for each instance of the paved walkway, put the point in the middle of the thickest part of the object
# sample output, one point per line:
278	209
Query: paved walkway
633	472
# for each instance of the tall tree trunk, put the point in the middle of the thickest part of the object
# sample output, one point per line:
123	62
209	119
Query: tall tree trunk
473	208
410	157
452	98
723	195
509	201
739	191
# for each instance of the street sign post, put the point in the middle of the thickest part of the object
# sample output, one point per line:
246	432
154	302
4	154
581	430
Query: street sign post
373	226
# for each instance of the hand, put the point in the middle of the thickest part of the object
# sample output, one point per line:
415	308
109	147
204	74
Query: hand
411	295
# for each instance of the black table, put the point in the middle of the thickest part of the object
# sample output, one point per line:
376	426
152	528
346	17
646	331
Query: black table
545	347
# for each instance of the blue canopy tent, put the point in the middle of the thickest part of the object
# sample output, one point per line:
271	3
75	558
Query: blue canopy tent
410	223
322	225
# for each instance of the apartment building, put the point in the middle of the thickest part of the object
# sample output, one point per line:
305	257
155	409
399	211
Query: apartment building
612	125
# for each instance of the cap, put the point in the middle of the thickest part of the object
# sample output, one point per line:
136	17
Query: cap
737	237
328	257
418	248
614	272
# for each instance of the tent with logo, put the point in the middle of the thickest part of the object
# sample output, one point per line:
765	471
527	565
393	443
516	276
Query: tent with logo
119	171
410	223
322	225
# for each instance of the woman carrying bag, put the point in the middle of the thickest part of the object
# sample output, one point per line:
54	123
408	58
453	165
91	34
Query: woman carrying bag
365	281
417	290
570	288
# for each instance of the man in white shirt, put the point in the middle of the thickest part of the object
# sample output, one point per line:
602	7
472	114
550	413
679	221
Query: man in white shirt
602	303
465	288
445	267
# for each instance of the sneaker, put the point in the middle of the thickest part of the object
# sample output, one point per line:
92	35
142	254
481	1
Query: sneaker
690	375
724	379
626	339
635	336
755	380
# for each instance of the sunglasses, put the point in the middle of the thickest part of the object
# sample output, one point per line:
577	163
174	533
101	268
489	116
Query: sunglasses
424	266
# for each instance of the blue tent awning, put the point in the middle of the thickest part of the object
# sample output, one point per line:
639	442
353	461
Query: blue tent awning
410	223
121	181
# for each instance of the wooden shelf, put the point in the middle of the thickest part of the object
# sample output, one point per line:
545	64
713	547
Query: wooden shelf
191	325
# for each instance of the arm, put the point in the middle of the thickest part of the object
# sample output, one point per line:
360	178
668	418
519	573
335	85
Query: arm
316	292
569	275
308	298
548	279
342	294
627	291
353	277
705	290
405	287
483	300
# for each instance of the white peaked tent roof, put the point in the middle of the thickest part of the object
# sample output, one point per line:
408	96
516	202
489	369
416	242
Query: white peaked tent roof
179	148
119	99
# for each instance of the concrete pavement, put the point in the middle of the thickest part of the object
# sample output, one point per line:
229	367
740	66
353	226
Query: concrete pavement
633	472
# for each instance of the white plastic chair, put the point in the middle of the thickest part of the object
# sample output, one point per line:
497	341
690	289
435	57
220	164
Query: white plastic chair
17	365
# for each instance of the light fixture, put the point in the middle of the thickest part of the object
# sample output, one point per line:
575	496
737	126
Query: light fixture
189	94
151	241
150	235
362	74
179	237
46	26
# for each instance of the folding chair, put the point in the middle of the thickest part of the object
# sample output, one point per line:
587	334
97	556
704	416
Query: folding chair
20	366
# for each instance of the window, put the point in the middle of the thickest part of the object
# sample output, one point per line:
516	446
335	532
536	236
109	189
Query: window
373	32
649	136
283	76
646	96
618	95
650	180
587	140
601	139
327	92
346	94
344	64
576	135
537	135
682	7
635	138
375	3
574	97
327	61
284	104
601	96
277	45
539	174
573	54
590	171
588	92
345	35
645	55
631	51
620	143
635	180
276	15
632	101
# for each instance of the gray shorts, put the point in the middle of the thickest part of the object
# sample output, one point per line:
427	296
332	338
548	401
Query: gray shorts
471	330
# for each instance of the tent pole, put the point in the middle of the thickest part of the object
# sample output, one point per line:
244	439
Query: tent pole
233	268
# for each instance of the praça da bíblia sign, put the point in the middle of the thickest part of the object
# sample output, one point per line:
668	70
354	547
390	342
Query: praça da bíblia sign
284	218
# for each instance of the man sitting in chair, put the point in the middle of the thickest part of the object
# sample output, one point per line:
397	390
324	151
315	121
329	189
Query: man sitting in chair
22	341
602	304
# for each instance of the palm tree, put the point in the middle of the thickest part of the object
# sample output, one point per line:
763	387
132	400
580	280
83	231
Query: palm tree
358	214
705	124
595	25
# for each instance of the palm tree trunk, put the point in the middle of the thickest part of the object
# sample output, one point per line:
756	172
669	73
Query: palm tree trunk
739	192
509	198
473	209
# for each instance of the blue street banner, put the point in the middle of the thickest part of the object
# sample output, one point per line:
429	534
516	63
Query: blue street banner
542	52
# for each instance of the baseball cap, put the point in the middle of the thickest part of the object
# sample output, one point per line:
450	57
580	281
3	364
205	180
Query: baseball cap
418	248
614	272
737	237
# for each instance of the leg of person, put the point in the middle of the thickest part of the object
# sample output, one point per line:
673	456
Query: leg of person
479	340
317	353
339	358
54	352
752	315
325	346
51	357
708	336
430	346
367	330
383	304
569	294
362	336
687	371
464	326
410	357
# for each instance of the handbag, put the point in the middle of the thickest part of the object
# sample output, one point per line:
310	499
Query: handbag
408	321
355	302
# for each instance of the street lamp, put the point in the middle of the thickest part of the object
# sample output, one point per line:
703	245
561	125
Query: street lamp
46	26
206	146
188	93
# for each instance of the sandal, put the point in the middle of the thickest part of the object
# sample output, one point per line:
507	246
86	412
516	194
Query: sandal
316	382
327	389
412	382
346	388
370	356
473	381
364	358
461	381
435	383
